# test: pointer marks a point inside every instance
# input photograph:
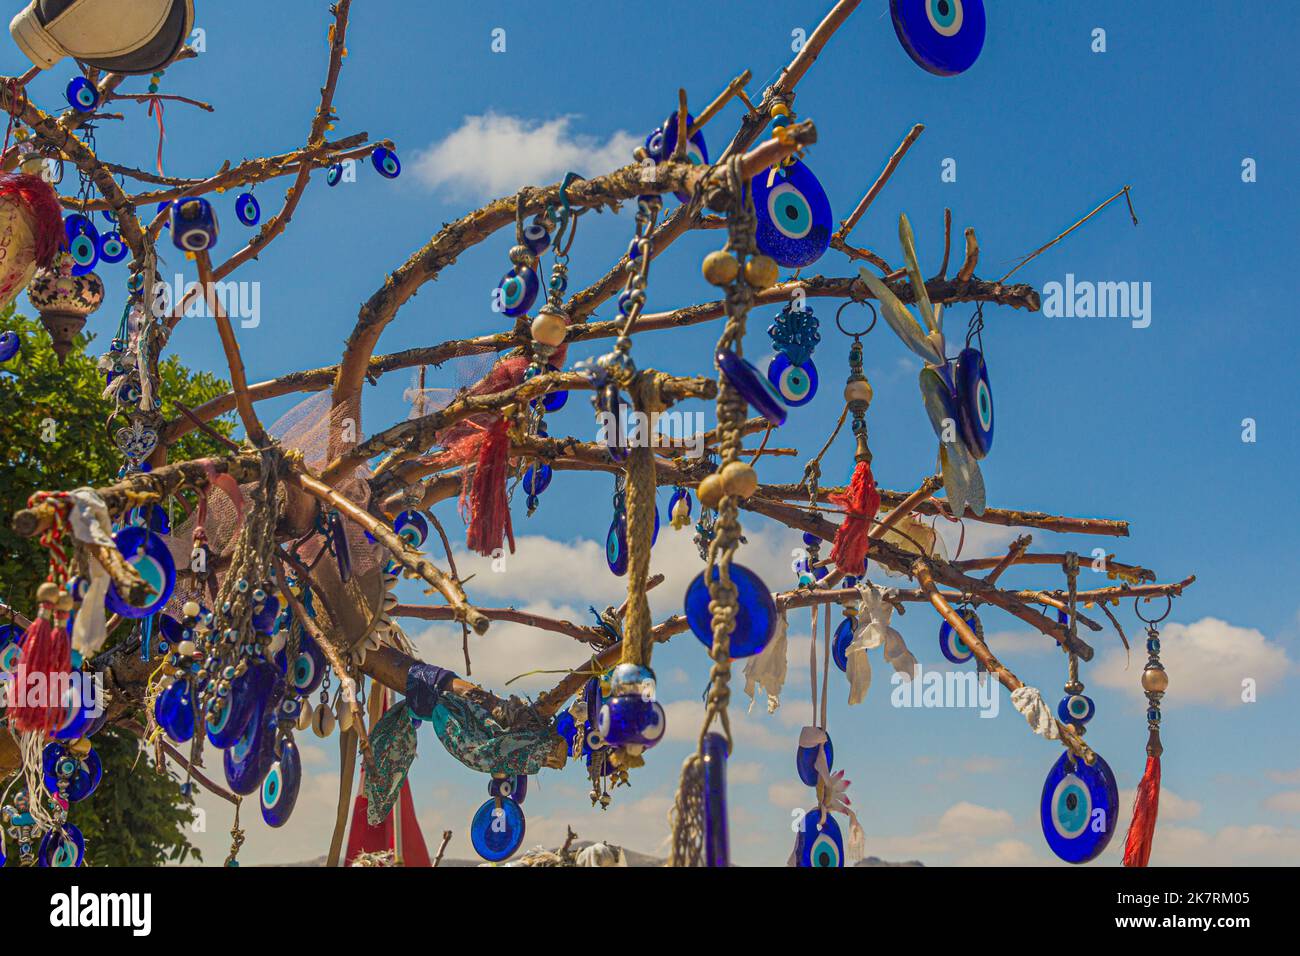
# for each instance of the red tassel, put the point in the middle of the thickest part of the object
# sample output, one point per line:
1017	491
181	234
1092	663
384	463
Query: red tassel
1142	831
489	508
41	676
860	503
41	204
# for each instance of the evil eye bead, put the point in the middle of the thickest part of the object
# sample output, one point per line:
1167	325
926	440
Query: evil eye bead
149	555
111	247
794	216
10	343
974	402
63	847
537	237
820	844
943	37
840	646
82	774
280	788
83	243
10	635
82	95
307	671
805	761
386	162
1079	809
796	384
950	643
174	712
247	761
334	175
554	401
662	143
412	527
516	787
1076	709
518	290
537	479
616	545
755	613
752	386
247	695
631	719
194	225
497	830
247	209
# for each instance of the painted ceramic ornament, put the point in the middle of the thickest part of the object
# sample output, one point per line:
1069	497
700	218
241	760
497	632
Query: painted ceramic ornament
386	162
661	143
497	830
412	527
248	210
152	559
111	247
752	386
64	300
950	643
174	712
943	37
1076	709
81	94
756	613
32	219
10	344
794	216
796	384
62	847
194	225
517	291
805	758
80	775
974	399
280	788
82	242
820	844
1079	809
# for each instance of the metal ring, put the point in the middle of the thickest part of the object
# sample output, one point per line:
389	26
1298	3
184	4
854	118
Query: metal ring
1168	608
856	335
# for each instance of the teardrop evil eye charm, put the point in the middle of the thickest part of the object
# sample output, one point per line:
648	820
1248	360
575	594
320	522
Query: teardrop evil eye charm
537	479
82	242
247	209
334	175
247	761
796	384
753	387
794	216
498	829
517	291
943	37
1076	709
820	844
175	713
950	643
111	247
662	143
840	646
805	760
1079	809
974	402
10	343
280	788
62	847
82	95
386	162
755	612
150	556
412	527
616	544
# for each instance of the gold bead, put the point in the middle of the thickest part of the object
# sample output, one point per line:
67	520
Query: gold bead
549	328
779	109
1155	680
762	272
720	268
739	479
858	391
711	492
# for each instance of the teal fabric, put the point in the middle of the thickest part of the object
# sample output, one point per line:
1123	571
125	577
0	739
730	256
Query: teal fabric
392	745
471	736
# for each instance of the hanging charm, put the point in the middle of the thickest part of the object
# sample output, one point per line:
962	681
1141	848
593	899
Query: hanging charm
1141	832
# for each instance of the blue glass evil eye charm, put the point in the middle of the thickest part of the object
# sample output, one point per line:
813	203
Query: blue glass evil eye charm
174	712
10	343
247	761
820	844
82	242
794	216
150	556
1076	709
943	37
974	402
537	479
840	646
111	247
516	787
386	162
307	671
334	175
82	774
412	527
498	829
662	143
280	788
755	613
753	387
194	225
82	95
805	761
248	693
62	847
631	719
517	291
247	209
796	384
616	544
1080	808
950	642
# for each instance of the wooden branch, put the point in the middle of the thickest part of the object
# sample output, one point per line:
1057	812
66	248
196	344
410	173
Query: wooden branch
847	225
586	634
238	381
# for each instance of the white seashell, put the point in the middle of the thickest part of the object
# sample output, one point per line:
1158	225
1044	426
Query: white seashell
305	715
359	654
322	722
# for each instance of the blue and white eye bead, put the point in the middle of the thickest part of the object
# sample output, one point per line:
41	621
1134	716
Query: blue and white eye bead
537	479
616	545
1079	809
111	247
10	343
247	209
796	384
63	847
943	37
82	95
805	761
412	527
951	644
497	830
308	671
516	787
631	719
537	237
794	216
334	175
820	844
756	612
517	291
83	243
753	387
840	646
386	162
1076	709
280	788
974	402
152	559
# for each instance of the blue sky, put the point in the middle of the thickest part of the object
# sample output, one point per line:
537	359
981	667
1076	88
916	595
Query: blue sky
1095	417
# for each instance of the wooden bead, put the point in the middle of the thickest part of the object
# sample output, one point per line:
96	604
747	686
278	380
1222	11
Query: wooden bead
859	391
1155	680
549	328
739	479
762	272
711	492
64	601
190	609
48	592
720	268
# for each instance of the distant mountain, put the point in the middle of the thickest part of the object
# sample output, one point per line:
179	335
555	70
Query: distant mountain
634	859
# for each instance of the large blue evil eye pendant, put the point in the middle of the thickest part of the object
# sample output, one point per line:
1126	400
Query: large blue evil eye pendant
1076	709
62	847
386	162
111	247
752	386
247	209
796	384
83	243
498	829
950	643
974	402
755	612
1080	808
175	713
82	95
517	291
150	556
820	844
805	758
616	544
80	775
943	37
794	216
247	761
280	788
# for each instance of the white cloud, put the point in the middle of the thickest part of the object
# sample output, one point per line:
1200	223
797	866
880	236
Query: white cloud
1286	802
964	818
493	155
1173	808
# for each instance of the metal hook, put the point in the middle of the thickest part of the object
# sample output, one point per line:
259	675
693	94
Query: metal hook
1168	607
856	335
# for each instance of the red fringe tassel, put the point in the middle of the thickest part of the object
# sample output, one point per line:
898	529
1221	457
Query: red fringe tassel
47	652
1142	831
860	502
489	508
41	203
